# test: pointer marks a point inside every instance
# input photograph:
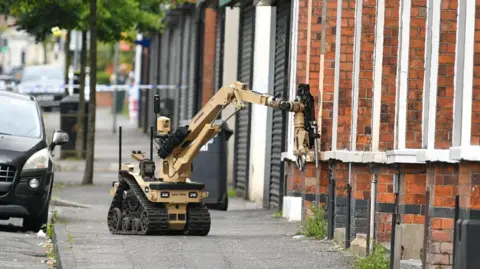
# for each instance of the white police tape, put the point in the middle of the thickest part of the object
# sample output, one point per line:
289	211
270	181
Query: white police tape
98	88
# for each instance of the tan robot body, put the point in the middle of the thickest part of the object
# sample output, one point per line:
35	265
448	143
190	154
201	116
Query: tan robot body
157	197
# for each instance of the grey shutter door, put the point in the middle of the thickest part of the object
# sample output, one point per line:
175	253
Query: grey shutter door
220	37
185	67
193	60
242	122
280	87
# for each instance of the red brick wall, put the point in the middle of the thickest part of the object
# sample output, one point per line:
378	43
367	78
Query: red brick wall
384	195
346	68
413	192
387	114
475	140
328	75
341	178
442	181
469	185
208	78
415	74
446	73
361	182
365	83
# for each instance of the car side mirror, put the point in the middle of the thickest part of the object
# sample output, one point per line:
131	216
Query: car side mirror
59	138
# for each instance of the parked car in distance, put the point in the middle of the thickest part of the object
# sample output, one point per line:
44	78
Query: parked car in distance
26	162
7	83
45	82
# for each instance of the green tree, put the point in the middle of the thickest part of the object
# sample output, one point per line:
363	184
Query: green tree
88	174
107	21
81	113
113	18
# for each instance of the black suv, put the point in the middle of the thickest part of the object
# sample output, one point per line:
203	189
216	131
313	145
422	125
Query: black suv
26	163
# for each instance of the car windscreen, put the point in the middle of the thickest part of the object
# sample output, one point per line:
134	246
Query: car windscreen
19	118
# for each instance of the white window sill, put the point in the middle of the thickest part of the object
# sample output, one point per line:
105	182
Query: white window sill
468	153
415	156
435	155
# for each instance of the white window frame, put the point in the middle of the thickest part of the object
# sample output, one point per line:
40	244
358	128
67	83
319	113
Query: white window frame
292	80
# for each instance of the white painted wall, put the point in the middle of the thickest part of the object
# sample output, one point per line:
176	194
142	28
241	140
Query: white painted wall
230	75
20	41
262	83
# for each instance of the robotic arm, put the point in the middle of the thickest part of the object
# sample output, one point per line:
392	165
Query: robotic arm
178	148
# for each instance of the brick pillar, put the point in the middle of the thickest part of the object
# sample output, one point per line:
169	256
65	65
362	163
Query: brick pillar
442	181
208	78
412	197
328	75
341	180
346	68
385	204
389	71
365	83
446	69
361	186
416	73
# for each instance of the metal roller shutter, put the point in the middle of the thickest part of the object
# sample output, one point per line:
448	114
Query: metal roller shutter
219	48
242	122
195	60
280	88
185	69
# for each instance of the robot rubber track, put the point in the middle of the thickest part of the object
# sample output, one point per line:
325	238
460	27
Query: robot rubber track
136	215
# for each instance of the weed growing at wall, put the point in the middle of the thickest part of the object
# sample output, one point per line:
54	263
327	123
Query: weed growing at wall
378	259
315	225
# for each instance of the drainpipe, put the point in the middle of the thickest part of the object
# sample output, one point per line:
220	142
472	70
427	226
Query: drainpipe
373	202
331	200
349	201
396	185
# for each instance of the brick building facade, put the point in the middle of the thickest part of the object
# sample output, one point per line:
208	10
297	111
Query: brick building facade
396	88
400	95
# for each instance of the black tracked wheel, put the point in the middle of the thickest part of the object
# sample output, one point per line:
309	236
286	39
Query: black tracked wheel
198	220
126	223
136	225
142	216
114	217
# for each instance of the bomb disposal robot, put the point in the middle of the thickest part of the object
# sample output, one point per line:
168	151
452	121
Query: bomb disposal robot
158	198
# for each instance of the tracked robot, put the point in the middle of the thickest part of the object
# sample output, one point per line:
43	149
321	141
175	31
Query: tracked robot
157	197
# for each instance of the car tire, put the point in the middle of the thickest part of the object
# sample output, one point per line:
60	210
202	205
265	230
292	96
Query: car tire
223	206
34	224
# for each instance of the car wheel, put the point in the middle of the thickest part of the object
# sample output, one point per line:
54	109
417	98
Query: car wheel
34	224
224	204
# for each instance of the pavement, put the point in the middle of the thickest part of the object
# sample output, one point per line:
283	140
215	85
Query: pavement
19	249
244	236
